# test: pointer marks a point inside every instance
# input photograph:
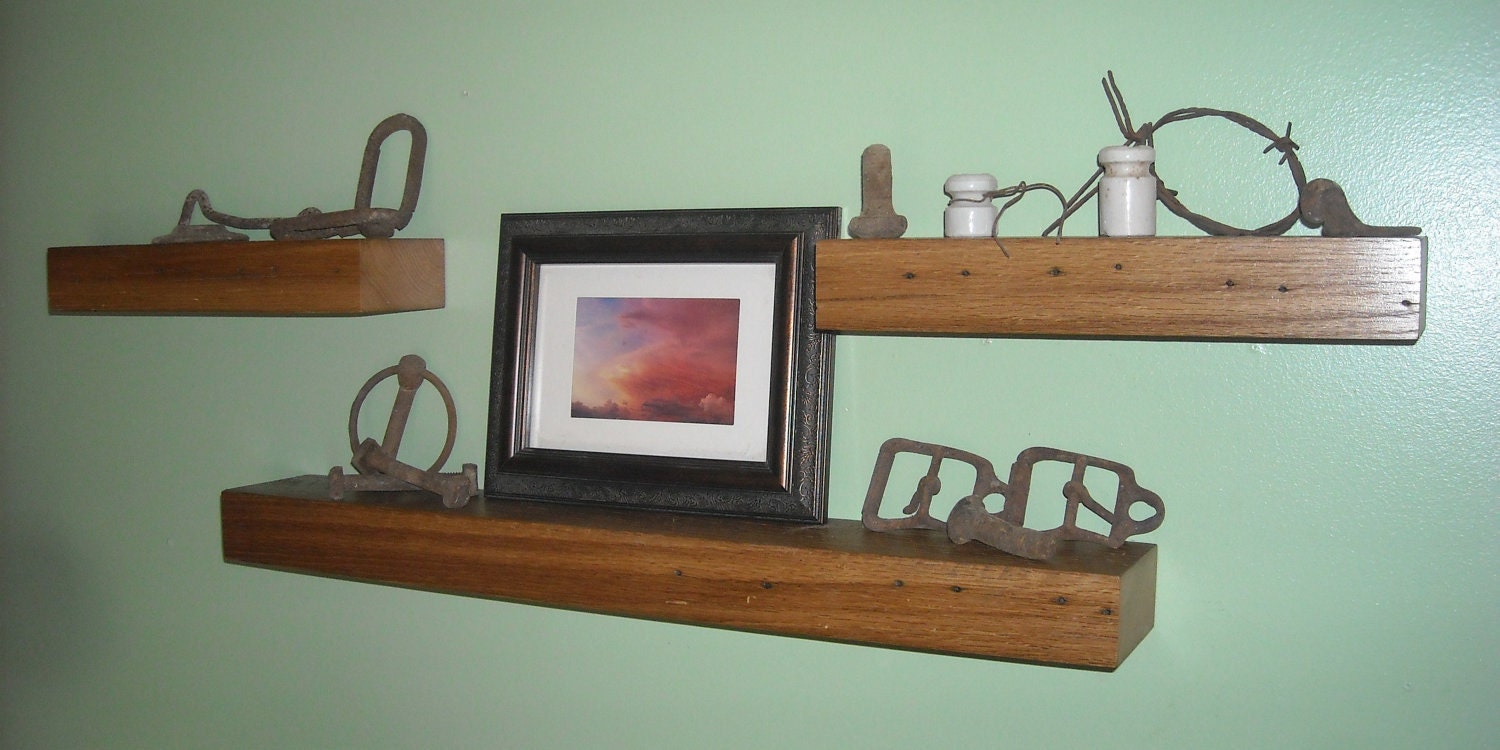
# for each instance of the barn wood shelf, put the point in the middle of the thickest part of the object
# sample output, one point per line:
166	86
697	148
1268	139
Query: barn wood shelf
309	277
1236	288
910	590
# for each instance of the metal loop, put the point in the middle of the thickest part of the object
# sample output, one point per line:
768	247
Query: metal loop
442	389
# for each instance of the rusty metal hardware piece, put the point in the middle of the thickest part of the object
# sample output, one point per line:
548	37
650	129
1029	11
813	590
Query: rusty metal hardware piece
1324	205
409	372
970	520
312	223
455	489
379	468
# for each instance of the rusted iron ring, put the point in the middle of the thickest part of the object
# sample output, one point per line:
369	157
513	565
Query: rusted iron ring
427	375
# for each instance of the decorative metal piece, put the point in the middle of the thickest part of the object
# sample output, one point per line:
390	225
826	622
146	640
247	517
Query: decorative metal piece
1324	204
970	520
377	463
312	223
877	216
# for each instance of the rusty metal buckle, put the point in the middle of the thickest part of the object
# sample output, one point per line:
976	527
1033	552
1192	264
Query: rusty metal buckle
970	520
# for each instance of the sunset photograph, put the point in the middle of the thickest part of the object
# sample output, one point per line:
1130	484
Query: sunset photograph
656	359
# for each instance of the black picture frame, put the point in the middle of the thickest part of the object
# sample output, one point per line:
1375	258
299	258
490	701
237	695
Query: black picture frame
787	481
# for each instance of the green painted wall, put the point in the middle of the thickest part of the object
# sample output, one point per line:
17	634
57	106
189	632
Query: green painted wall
1328	570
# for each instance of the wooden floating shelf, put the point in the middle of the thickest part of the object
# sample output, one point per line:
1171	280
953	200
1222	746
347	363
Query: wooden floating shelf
1243	288
839	582
309	277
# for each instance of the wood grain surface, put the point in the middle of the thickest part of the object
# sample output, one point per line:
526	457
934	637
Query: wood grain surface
311	277
1246	288
912	590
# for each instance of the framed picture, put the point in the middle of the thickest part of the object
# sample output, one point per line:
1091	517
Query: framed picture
664	360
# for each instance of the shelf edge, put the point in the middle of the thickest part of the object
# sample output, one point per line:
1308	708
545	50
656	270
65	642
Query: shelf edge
836	582
1197	288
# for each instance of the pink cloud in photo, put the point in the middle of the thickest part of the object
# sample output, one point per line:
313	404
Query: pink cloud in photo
656	359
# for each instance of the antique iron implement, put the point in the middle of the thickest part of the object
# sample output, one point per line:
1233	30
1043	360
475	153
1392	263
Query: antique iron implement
312	223
378	467
1006	530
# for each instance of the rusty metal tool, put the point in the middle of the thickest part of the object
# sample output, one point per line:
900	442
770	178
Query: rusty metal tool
1325	206
970	520
410	372
455	489
313	223
380	469
340	482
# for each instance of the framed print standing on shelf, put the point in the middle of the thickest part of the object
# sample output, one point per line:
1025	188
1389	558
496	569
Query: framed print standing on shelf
664	360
